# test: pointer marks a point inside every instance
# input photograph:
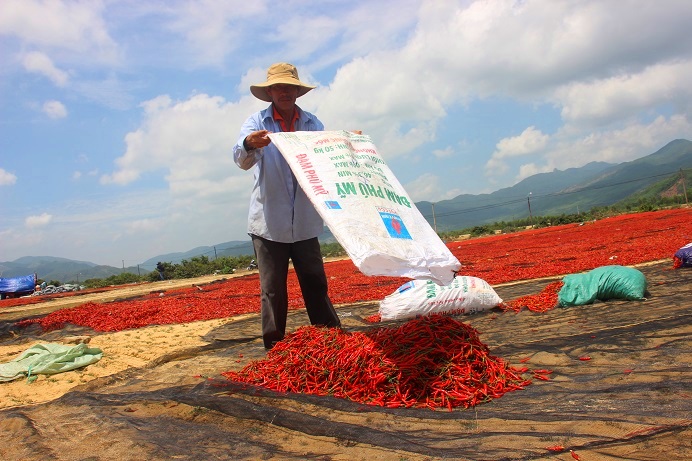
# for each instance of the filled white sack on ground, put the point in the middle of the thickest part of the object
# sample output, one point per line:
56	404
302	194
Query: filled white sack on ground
365	206
465	295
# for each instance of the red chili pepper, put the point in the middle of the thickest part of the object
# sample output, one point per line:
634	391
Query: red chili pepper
585	358
574	455
555	448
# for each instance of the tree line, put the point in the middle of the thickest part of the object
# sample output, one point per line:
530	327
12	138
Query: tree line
196	266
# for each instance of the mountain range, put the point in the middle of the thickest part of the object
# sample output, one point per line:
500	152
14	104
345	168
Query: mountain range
543	194
561	192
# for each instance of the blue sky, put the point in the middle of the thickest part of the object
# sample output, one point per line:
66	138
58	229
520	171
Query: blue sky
118	117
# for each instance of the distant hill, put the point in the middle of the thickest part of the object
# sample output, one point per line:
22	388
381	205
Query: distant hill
506	204
558	192
670	186
554	193
59	269
68	270
232	248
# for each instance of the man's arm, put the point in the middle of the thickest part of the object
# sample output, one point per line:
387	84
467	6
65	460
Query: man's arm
248	150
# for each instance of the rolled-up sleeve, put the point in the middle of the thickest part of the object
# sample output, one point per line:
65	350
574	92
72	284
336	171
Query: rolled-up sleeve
243	158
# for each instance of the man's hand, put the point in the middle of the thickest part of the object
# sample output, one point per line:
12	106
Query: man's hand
256	140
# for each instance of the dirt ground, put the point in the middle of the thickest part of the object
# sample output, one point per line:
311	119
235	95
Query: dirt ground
125	349
157	392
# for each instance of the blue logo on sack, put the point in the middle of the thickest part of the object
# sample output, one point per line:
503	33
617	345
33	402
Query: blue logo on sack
395	226
332	205
406	286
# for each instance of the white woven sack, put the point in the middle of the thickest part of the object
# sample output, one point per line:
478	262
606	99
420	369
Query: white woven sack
465	295
365	206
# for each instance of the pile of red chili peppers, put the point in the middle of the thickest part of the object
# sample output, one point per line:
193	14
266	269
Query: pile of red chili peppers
429	362
544	301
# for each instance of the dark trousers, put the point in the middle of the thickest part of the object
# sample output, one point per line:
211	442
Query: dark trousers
272	262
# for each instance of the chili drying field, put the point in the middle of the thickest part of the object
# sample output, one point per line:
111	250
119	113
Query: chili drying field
184	374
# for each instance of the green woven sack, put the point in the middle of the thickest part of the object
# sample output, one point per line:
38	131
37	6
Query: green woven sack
602	283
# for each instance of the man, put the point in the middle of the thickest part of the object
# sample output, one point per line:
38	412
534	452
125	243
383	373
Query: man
282	222
161	269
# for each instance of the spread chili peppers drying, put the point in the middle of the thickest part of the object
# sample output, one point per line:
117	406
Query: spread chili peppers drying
632	239
544	301
434	362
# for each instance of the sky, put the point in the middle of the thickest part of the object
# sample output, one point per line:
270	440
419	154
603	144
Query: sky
118	117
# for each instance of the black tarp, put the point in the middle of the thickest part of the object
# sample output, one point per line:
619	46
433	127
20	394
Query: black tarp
631	400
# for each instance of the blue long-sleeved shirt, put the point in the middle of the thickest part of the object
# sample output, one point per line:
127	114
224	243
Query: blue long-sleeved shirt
279	209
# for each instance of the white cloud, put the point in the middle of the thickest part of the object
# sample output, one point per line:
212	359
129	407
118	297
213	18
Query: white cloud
530	169
111	92
561	53
444	153
39	63
530	141
568	149
212	29
618	145
145	225
594	103
42	220
60	25
190	143
339	31
396	109
7	178
54	109
429	187
191	140
523	50
529	48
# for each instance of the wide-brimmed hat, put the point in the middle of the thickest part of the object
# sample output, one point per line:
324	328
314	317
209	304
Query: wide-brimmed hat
278	73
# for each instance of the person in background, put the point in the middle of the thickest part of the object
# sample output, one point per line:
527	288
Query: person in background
160	269
282	222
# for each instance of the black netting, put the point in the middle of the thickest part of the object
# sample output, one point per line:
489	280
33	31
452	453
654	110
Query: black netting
630	400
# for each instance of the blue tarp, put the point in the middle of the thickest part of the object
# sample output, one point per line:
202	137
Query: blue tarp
23	284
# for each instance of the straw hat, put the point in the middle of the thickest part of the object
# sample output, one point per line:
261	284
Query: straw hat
281	72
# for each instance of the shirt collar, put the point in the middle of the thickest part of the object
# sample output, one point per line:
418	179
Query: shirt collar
277	117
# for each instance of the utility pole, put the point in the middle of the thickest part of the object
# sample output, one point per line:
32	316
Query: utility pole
434	220
684	189
528	199
215	256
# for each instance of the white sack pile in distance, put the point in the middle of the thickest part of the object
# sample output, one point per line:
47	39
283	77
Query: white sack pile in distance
465	295
365	206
